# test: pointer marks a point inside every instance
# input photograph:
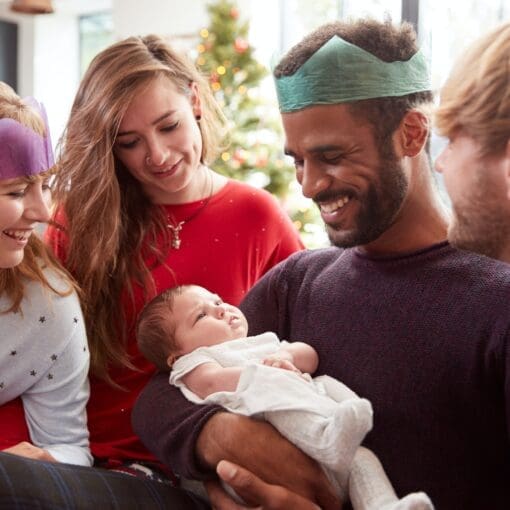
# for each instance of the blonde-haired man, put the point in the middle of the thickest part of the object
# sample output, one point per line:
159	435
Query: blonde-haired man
474	113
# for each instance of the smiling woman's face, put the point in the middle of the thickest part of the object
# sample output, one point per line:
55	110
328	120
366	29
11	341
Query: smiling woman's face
23	204
159	141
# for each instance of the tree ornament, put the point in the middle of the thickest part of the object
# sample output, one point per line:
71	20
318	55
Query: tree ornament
241	45
235	77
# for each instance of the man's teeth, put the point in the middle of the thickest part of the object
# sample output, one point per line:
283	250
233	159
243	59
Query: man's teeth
20	235
333	206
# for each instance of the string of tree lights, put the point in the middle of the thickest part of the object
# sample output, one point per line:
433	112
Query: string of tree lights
255	150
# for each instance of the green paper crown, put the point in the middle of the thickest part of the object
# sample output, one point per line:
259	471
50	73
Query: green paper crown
340	72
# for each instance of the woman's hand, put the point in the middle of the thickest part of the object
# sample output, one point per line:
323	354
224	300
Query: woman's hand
25	449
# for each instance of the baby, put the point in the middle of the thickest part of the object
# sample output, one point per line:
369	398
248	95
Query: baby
204	343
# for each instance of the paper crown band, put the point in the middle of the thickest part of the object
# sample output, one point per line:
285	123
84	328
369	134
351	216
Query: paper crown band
22	151
340	72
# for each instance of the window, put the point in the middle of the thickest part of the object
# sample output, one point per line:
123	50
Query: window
96	33
446	29
8	53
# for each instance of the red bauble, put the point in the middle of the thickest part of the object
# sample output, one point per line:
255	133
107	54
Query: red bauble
241	45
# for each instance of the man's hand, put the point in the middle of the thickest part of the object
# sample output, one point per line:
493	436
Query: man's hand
25	449
259	448
254	491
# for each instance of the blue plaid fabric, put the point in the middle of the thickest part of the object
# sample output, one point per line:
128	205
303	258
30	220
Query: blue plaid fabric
33	484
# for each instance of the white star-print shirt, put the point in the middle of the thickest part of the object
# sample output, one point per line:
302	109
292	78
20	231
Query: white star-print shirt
44	358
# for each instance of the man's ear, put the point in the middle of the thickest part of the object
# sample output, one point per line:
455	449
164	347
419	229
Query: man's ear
412	134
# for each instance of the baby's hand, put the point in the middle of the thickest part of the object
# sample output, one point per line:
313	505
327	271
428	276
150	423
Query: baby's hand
277	362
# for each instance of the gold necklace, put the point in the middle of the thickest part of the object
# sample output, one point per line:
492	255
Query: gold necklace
176	228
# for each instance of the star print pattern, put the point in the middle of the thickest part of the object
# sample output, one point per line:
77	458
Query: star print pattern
42	353
42	319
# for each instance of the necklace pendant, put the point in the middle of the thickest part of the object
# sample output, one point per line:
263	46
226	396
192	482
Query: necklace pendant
176	229
176	242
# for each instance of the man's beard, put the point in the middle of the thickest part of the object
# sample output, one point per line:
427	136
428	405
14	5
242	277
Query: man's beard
481	223
379	206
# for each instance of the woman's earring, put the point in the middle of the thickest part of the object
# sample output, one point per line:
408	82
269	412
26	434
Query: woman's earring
198	118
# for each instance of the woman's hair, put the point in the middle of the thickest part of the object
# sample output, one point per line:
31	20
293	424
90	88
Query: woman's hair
106	213
386	41
155	331
476	97
36	255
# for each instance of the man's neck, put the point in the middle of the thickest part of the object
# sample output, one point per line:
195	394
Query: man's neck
504	256
421	222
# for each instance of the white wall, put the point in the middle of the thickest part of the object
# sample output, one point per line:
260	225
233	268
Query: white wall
164	17
48	44
177	19
48	55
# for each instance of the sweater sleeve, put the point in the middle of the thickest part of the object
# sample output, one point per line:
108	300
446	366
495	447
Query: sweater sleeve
286	239
265	304
55	407
169	425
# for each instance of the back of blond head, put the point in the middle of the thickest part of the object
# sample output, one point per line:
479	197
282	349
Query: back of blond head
107	214
13	107
475	99
36	255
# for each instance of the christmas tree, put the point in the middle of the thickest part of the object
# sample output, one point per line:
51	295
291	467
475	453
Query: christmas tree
255	152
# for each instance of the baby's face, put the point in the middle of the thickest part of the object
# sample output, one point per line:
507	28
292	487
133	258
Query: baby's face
202	319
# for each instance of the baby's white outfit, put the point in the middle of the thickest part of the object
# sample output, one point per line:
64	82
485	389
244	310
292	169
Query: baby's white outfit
321	416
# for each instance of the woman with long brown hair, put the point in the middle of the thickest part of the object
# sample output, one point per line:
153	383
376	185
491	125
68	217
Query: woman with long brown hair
139	210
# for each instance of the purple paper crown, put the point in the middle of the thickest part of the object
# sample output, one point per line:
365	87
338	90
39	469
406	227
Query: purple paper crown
22	151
